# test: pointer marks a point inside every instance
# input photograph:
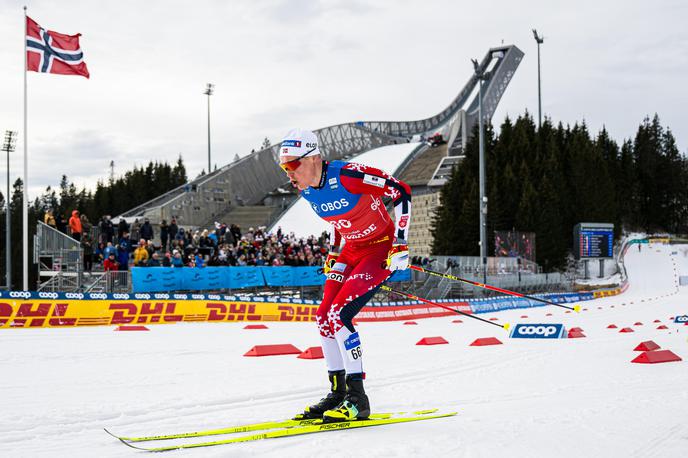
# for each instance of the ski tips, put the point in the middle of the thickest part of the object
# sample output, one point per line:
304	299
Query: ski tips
116	437
577	308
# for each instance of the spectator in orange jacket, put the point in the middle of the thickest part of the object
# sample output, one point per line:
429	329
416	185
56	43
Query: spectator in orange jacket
75	225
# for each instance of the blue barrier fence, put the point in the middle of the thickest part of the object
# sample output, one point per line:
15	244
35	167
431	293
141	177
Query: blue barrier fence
154	279
496	304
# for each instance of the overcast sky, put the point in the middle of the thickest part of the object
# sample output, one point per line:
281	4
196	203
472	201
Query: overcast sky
278	64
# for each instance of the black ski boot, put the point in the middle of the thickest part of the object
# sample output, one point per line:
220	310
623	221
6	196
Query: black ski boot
332	400
355	405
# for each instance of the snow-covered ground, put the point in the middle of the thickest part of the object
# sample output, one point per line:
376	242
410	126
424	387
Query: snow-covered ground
526	398
303	221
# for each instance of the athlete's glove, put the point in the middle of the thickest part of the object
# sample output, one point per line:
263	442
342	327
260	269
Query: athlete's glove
330	261
398	257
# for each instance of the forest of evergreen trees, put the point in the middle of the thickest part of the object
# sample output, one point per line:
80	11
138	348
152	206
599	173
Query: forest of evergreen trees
549	179
112	198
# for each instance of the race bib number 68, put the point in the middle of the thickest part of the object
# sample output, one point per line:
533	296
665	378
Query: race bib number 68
353	347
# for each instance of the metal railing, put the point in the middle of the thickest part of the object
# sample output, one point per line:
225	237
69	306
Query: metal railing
109	282
98	283
82	282
519	282
51	241
61	282
59	259
495	265
503	273
118	281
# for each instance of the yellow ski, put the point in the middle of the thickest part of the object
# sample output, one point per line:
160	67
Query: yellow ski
298	431
293	423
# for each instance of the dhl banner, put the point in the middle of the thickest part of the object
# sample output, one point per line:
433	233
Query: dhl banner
70	313
611	292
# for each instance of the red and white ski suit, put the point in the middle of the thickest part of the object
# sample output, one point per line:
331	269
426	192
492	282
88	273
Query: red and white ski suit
349	196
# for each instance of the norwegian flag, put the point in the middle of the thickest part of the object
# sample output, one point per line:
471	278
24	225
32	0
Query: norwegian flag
52	52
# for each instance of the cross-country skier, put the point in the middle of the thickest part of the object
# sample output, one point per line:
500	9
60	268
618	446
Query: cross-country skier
348	196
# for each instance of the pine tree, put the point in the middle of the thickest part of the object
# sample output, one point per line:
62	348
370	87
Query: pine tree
674	195
647	151
179	173
526	217
445	228
627	188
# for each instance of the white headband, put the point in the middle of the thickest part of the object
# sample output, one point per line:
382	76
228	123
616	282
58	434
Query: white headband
299	142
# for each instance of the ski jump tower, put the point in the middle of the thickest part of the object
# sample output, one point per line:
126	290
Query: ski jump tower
250	179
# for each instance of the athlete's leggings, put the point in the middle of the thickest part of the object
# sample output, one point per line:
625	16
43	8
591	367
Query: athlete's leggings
351	283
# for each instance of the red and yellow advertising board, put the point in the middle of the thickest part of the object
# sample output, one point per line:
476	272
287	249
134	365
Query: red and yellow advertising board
33	313
42	313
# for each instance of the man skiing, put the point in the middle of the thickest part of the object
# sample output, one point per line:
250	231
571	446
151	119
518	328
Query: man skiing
349	197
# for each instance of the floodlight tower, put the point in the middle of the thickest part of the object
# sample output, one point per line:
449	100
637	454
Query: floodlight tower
209	91
539	39
480	74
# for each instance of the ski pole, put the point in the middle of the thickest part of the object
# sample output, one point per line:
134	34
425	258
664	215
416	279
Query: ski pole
575	308
411	296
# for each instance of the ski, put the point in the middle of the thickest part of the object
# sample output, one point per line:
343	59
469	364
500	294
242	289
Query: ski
318	427
292	423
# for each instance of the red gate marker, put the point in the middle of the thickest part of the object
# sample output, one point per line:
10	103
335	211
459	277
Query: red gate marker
658	356
483	341
312	353
272	350
648	345
432	341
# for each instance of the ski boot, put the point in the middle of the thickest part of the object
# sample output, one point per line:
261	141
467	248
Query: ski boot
355	405
332	400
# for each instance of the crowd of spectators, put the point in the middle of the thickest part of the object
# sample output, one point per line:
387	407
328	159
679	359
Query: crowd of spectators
122	246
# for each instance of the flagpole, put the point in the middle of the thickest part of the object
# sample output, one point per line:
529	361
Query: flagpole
25	202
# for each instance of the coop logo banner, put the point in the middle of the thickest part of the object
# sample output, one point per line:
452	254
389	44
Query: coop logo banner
538	331
681	319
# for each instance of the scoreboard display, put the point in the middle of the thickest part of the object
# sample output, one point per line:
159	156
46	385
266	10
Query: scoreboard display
593	240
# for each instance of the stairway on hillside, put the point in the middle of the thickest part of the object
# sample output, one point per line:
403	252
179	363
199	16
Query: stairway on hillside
247	216
420	171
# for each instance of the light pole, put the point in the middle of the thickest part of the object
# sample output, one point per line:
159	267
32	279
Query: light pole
539	39
8	147
479	73
209	91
